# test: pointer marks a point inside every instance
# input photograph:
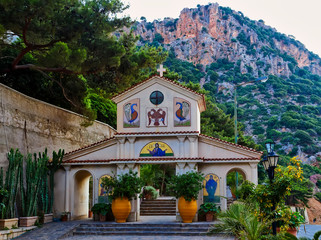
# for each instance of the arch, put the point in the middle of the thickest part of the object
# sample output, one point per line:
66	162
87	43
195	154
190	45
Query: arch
234	177
211	192
239	170
81	190
156	149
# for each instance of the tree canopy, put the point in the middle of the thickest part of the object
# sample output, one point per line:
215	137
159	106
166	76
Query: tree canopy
72	53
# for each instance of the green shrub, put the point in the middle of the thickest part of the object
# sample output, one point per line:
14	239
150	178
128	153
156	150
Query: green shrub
150	190
187	185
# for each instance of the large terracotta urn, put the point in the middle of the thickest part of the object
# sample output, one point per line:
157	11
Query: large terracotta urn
187	209
121	208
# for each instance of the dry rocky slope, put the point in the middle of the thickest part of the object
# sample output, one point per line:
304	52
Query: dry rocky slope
207	33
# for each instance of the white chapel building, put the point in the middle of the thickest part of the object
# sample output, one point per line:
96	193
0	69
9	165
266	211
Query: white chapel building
158	122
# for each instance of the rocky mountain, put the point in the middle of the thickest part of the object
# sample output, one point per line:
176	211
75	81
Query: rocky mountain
220	48
211	32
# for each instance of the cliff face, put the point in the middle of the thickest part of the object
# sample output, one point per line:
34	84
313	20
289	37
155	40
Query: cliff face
208	33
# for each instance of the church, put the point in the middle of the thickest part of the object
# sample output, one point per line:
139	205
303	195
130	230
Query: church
158	122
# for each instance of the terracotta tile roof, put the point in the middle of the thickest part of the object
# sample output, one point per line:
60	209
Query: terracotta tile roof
166	79
91	145
233	144
160	159
229	159
157	133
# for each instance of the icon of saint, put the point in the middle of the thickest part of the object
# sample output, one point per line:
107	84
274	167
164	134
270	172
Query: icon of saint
210	187
157	151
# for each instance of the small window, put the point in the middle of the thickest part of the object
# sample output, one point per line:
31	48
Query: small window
156	97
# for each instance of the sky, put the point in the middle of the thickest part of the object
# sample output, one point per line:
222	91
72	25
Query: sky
302	19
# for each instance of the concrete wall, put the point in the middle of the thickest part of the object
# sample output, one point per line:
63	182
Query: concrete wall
32	125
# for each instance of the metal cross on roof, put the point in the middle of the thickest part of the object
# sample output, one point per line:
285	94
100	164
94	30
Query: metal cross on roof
161	70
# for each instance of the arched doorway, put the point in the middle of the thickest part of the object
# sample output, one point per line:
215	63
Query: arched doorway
83	189
234	178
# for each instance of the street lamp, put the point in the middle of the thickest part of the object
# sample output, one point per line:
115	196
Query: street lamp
270	162
260	79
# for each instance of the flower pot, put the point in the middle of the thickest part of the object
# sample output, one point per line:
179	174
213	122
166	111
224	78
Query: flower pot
186	209
209	217
90	214
8	223
48	218
292	231
96	217
102	218
64	218
27	221
121	208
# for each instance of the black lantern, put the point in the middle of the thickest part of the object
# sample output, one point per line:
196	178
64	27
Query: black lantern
265	163
270	147
273	159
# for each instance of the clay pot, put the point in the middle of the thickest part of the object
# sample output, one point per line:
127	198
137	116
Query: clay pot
8	223
102	218
209	217
27	221
292	231
121	208
186	209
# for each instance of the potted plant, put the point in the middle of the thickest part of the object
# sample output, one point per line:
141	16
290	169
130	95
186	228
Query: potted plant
289	220
186	188
9	189
65	216
46	192
123	188
150	193
210	210
101	210
30	182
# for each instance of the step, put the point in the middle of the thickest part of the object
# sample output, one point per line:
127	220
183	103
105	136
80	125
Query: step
140	229
157	208
158	214
144	233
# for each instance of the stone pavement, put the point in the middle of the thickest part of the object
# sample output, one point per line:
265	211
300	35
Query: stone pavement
60	230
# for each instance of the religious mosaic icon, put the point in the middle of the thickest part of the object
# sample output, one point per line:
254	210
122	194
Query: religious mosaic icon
156	149
156	117
182	112
102	193
131	114
211	191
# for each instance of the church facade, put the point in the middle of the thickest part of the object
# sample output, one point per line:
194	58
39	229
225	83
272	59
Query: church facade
158	122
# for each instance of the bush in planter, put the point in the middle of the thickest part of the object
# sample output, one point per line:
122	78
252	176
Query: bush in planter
123	188
103	209
209	208
186	187
125	185
150	192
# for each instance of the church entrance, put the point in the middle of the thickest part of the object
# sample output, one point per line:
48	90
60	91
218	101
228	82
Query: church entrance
82	195
156	199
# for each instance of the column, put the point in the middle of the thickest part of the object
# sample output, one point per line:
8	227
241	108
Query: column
131	147
223	192
122	147
193	146
254	174
181	146
67	188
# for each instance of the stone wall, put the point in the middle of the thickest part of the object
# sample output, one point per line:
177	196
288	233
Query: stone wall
32	125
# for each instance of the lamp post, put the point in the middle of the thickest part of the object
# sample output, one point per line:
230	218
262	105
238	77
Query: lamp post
260	79
270	162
